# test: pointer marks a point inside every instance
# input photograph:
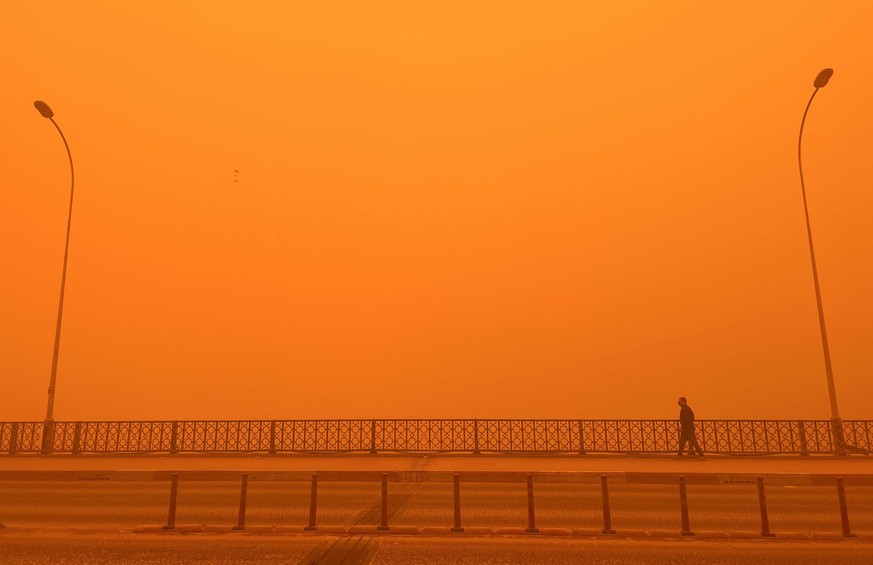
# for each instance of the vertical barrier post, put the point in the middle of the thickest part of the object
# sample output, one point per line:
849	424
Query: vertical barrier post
457	481
373	436
607	515
313	504
171	514
383	524
48	437
174	437
804	448
762	502
844	509
683	508
243	494
13	439
273	436
581	438
839	441
531	519
476	436
77	438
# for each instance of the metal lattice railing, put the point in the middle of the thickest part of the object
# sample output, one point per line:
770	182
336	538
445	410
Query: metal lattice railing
470	435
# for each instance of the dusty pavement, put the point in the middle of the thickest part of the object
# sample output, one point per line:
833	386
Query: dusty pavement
65	548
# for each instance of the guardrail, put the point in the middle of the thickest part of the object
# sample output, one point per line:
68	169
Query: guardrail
379	518
433	436
607	528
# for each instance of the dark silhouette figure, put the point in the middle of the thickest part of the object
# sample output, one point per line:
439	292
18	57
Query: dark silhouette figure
686	429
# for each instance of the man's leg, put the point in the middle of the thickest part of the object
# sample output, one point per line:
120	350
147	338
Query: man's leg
694	445
683	439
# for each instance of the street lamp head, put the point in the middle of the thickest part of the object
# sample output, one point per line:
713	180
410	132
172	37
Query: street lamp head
823	77
44	109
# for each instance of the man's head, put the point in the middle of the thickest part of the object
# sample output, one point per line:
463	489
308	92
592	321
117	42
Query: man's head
682	401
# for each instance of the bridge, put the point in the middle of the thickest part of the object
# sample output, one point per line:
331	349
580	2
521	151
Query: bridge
729	437
323	505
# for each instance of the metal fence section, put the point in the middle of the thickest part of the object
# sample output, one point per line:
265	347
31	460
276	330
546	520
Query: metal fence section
424	435
436	435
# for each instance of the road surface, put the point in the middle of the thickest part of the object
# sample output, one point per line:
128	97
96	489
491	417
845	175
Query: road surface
76	549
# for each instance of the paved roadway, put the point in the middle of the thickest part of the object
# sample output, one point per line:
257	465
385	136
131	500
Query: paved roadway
69	549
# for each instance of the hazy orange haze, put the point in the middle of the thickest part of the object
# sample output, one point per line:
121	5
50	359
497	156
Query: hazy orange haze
444	209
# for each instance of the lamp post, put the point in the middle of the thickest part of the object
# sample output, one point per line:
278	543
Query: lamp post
48	426
836	423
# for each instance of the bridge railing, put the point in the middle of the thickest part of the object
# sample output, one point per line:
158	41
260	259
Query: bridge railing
433	436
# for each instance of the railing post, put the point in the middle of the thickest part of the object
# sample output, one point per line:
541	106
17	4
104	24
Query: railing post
383	524
683	508
476	435
373	436
313	504
839	441
844	509
581	438
77	438
13	439
171	514
804	448
457	482
531	519
174	437
243	495
48	436
762	502
607	515
273	436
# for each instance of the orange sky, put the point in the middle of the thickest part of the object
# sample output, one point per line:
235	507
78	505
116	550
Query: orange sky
444	209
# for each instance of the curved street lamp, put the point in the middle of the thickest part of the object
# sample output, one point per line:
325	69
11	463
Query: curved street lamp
48	426
836	423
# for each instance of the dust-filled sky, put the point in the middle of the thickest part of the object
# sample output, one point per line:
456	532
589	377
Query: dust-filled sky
568	209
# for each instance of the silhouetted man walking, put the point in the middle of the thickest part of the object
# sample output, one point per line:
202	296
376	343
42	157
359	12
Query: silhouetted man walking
686	428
